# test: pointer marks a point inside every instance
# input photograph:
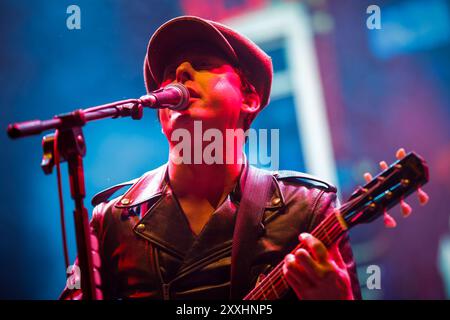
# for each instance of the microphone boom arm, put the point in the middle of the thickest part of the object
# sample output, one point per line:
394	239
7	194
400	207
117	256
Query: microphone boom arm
174	96
77	118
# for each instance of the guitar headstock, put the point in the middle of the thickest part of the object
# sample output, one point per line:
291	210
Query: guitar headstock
386	190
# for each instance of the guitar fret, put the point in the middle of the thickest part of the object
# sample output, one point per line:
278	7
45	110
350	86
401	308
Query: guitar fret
274	290
260	291
328	239
322	232
264	295
341	220
283	281
327	231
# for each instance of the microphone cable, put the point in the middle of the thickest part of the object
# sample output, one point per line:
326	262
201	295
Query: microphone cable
61	198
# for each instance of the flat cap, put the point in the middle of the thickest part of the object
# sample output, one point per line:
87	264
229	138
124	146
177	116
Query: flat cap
241	51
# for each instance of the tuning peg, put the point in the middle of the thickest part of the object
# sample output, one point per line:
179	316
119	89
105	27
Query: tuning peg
423	196
389	222
400	154
367	177
383	165
406	208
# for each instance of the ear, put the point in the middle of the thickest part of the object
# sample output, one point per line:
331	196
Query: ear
250	103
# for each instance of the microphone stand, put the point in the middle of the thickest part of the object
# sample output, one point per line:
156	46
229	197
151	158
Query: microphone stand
69	142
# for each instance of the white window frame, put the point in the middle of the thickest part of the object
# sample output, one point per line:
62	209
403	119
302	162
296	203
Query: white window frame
291	22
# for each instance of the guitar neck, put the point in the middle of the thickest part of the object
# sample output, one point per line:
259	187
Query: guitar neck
274	286
365	205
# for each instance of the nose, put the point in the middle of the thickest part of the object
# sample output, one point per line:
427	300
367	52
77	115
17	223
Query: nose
185	72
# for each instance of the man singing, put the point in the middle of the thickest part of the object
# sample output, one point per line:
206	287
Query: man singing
171	235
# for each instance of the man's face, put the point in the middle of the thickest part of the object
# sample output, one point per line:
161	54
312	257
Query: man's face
214	86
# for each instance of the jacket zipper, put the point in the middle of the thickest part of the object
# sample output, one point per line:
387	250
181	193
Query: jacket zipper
165	286
166	291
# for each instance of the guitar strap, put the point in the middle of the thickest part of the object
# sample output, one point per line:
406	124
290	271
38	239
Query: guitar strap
247	229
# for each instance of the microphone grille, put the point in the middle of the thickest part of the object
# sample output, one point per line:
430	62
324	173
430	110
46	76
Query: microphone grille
185	96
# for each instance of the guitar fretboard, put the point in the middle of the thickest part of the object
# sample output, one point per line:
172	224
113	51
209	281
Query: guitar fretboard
274	285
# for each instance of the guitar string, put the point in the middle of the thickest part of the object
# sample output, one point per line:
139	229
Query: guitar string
278	273
328	222
321	232
329	228
275	284
279	280
335	231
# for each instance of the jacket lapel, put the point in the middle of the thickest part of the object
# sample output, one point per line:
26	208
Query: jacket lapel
164	225
162	221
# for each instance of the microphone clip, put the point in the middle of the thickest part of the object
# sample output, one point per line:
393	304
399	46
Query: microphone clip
134	110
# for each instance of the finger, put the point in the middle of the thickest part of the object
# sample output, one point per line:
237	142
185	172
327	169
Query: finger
315	246
307	263
336	255
296	284
295	273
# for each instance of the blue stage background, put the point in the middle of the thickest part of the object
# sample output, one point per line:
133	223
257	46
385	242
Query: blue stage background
383	89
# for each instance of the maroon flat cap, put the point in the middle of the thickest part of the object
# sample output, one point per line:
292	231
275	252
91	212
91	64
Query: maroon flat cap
242	52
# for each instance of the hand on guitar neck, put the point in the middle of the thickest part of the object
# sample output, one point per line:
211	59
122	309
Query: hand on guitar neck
315	272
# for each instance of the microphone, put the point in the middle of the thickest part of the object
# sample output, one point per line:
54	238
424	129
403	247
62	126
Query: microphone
174	96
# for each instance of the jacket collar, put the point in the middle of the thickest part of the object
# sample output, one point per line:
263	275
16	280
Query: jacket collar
150	186
154	183
154	187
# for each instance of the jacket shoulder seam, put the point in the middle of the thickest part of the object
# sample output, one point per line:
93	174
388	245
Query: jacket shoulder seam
304	179
104	195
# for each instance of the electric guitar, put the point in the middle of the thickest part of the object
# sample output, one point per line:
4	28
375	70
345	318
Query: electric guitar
366	204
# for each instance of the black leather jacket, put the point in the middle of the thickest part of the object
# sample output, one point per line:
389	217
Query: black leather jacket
148	250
